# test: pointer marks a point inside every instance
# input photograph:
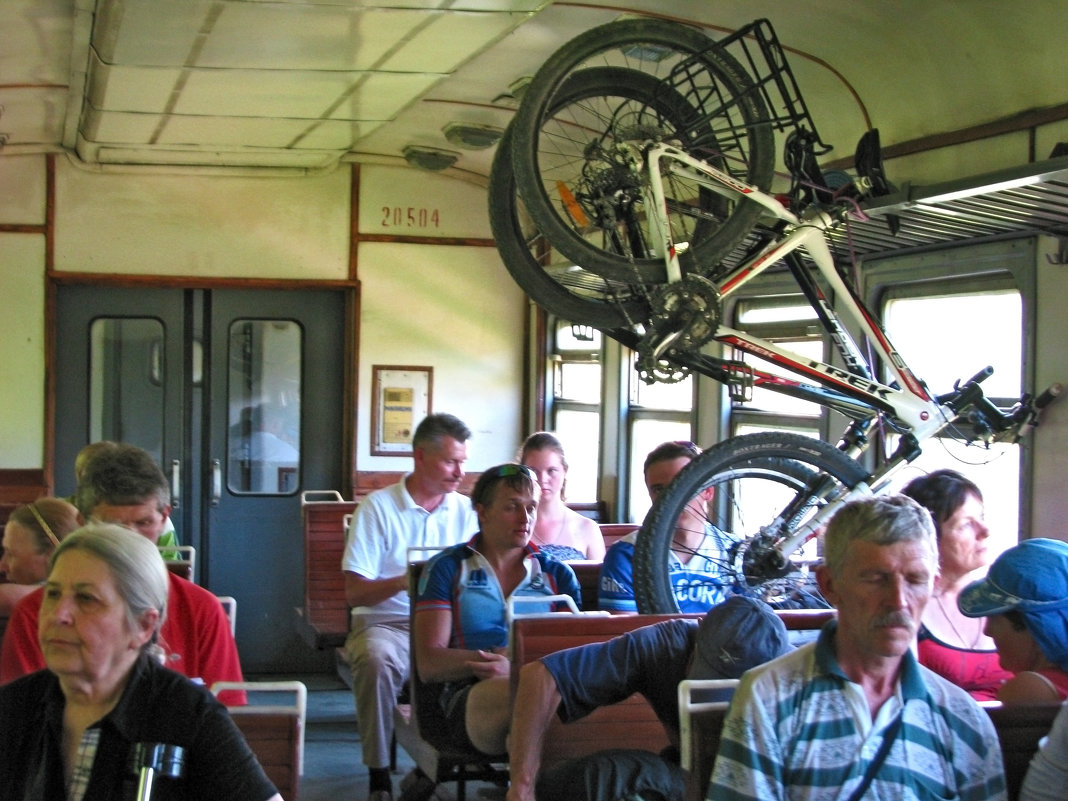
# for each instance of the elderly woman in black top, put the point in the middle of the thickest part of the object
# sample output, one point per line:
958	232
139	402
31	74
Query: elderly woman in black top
70	731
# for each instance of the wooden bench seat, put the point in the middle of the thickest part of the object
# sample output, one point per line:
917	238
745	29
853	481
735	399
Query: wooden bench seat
1020	727
273	738
323	620
274	731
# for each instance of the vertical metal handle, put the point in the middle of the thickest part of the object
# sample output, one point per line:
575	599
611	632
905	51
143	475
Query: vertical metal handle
216	481
176	484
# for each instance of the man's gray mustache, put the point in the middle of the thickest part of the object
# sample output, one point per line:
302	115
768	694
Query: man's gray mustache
894	619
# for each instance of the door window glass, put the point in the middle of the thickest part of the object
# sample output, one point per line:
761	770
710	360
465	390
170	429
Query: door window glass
264	407
126	370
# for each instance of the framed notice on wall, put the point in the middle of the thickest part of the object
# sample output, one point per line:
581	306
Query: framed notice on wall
401	399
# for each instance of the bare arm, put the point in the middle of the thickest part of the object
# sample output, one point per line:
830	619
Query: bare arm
1027	687
536	701
439	662
362	591
593	539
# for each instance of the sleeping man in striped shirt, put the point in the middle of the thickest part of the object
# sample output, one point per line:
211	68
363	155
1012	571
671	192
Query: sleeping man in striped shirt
854	715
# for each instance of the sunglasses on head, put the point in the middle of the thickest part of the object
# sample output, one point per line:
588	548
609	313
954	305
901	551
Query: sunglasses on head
506	470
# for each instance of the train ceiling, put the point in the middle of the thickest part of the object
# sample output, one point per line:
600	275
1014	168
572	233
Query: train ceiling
299	87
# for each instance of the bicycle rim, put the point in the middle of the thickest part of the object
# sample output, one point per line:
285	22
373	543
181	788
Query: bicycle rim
554	282
737	491
568	153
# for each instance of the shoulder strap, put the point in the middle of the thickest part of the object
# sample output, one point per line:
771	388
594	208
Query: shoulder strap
873	767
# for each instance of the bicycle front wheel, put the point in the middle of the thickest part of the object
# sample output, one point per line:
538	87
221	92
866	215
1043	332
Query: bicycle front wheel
578	160
749	492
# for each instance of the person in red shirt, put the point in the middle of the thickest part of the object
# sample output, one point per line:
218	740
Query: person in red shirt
124	485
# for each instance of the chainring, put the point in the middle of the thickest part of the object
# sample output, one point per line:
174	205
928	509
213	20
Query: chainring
685	315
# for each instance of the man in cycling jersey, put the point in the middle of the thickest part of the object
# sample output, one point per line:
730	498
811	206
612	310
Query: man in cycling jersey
697	554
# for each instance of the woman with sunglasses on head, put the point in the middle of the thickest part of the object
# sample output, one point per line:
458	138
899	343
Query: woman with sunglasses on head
31	535
460	624
559	531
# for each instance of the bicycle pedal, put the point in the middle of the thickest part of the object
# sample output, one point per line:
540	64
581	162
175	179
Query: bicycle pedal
740	386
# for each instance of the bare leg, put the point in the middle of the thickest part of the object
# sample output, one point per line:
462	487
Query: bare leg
489	711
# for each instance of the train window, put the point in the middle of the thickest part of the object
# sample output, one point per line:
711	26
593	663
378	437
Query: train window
660	412
264	407
576	408
788	321
975	329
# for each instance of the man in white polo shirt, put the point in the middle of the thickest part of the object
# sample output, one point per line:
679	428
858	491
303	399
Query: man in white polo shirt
424	509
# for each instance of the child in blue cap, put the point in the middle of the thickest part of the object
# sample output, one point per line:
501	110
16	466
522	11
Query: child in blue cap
1025	600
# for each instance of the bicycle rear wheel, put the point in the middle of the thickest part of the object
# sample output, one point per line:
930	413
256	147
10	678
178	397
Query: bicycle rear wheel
553	281
749	491
574	156
550	280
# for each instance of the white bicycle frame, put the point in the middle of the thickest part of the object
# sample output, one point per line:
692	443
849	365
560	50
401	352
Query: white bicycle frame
912	408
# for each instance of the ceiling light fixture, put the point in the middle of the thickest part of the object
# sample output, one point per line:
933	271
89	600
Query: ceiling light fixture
430	158
472	136
514	95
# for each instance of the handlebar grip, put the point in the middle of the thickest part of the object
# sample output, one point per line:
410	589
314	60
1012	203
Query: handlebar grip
1051	393
981	376
1045	399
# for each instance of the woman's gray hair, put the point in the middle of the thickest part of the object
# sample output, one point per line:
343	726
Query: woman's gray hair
135	564
882	520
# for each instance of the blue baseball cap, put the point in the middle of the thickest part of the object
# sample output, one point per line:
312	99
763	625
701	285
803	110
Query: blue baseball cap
1032	579
735	635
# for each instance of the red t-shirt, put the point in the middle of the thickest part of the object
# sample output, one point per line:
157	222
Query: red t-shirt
195	637
978	672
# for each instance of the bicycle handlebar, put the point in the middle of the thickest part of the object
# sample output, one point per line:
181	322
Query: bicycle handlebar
986	418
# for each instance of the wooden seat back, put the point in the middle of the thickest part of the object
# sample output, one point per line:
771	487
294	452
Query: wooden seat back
614	532
1020	727
323	621
630	723
589	576
274	731
182	568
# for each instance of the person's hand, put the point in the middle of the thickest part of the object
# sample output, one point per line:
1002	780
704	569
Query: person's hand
489	665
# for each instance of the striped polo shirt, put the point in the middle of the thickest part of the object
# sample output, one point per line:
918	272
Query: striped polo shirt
799	729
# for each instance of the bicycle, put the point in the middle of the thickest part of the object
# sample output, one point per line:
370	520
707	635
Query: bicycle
642	153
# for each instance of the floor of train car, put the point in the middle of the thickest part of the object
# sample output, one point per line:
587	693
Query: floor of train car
333	760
